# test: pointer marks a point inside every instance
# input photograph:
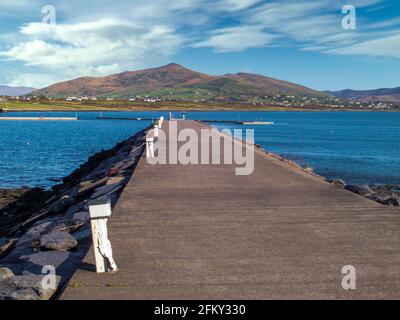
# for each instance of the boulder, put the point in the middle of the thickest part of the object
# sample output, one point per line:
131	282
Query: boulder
5	273
359	189
41	227
24	244
83	234
9	292
80	217
392	201
7	247
116	180
80	206
62	204
377	197
27	287
89	186
64	262
106	190
58	240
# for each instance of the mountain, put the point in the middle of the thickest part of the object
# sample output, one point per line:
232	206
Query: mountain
384	95
15	91
177	82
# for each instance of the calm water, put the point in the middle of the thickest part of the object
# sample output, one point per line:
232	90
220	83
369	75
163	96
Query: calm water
356	147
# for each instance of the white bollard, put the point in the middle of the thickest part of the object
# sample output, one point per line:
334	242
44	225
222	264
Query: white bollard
155	131
160	122
100	211
149	147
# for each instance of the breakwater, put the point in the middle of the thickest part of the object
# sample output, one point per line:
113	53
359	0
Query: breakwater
38	119
58	233
279	233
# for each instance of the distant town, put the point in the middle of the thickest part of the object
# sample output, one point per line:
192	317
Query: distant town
283	101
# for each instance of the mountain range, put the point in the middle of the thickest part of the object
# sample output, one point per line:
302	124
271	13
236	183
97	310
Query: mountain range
174	81
381	95
15	91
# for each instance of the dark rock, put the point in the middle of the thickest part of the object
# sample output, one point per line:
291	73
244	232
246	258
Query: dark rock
40	228
18	205
80	217
116	180
83	234
62	204
64	262
7	247
9	292
377	197
391	202
24	244
105	190
359	189
26	287
75	208
34	219
58	240
89	186
5	273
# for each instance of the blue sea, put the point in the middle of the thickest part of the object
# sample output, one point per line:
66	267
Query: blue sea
358	147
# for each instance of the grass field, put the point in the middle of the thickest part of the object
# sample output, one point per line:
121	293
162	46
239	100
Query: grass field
133	105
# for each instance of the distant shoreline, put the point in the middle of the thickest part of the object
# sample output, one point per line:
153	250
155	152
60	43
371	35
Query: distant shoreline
193	110
175	106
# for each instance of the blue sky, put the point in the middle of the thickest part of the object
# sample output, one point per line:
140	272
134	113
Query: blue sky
299	41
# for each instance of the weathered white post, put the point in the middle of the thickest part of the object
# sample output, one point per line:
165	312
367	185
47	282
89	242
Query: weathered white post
149	147
160	122
100	211
155	131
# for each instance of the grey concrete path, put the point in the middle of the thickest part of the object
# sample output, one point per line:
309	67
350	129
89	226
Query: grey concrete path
201	232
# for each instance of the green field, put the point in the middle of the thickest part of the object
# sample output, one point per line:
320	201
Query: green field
132	105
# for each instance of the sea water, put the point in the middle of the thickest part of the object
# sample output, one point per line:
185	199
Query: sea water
358	147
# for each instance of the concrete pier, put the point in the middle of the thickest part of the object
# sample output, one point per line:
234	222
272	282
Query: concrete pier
201	232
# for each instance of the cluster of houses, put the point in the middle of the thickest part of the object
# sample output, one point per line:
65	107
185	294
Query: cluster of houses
295	101
16	98
81	99
146	99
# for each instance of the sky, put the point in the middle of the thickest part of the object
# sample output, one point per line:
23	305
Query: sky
44	42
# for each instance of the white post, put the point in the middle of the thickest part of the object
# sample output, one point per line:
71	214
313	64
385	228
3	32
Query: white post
149	147
100	211
155	130
160	122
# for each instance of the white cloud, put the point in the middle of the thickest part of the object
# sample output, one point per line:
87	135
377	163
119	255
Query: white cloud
384	47
234	5
34	80
102	37
384	24
4	4
237	39
93	48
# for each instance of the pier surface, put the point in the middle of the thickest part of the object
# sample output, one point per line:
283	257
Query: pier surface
201	232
